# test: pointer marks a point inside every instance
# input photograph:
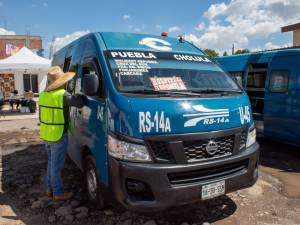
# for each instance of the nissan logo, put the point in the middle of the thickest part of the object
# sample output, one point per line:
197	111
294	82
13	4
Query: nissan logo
211	147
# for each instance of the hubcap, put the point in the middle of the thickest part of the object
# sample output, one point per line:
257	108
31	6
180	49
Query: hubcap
92	183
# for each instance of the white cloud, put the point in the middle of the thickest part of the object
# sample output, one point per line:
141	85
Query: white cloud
200	26
126	17
174	29
158	26
241	21
215	9
60	42
1	4
45	4
137	29
270	45
6	32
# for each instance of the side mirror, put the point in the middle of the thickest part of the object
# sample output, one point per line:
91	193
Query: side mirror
90	84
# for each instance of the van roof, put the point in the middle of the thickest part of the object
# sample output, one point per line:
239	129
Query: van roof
269	53
240	62
145	42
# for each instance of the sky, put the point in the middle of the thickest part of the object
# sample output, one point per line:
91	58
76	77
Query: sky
252	24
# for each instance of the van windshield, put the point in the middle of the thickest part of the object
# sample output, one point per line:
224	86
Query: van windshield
134	71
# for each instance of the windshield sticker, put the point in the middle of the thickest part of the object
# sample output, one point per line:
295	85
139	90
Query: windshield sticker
138	55
127	67
192	58
156	43
157	122
167	83
244	114
149	55
207	116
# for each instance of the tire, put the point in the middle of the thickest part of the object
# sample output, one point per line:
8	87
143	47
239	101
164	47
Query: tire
92	183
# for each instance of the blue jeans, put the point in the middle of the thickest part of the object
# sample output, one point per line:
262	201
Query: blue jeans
56	158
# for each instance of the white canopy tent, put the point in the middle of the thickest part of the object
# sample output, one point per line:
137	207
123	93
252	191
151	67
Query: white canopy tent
29	63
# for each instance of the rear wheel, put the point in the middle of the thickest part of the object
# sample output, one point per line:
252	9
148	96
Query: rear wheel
92	183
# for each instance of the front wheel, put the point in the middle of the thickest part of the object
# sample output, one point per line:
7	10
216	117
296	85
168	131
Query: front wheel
92	183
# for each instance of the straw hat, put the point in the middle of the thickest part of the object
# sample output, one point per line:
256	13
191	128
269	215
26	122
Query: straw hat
57	78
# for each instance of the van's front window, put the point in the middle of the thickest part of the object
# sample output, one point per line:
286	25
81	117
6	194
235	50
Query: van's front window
134	71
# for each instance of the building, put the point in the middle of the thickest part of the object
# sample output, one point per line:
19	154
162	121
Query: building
296	32
10	45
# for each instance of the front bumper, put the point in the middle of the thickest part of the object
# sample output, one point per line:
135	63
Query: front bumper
170	185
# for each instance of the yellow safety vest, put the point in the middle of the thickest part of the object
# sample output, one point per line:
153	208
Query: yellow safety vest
52	118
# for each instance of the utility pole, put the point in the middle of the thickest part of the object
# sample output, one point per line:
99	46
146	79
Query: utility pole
27	36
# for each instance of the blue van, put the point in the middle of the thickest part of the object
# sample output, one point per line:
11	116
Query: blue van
163	125
272	81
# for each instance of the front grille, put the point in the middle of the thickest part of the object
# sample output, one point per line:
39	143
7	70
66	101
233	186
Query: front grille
193	148
160	151
243	141
207	174
196	150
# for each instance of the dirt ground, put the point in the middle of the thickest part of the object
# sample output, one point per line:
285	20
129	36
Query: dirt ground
274	199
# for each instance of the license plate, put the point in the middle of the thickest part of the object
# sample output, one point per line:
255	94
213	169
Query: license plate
213	190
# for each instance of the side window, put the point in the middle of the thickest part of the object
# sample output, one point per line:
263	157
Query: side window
279	81
90	68
238	76
67	64
72	83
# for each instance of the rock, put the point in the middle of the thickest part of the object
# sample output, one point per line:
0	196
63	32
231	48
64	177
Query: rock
108	212
51	219
184	223
206	223
63	211
37	204
81	215
150	222
124	216
74	203
23	186
22	196
44	199
19	182
81	209
127	222
69	219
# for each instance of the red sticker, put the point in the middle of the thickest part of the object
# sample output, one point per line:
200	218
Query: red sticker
167	83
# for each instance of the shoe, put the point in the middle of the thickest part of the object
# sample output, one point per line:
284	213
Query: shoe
49	194
63	197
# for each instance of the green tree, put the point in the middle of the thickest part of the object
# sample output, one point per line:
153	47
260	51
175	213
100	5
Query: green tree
211	53
242	51
225	53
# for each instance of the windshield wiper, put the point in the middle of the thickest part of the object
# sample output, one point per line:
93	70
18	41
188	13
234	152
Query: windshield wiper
215	91
168	93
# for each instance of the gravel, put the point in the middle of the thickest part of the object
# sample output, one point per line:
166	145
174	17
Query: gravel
28	169
63	211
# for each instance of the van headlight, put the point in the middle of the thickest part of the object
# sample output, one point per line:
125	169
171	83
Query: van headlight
251	138
127	151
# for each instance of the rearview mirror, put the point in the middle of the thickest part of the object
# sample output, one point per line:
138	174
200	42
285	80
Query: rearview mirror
90	84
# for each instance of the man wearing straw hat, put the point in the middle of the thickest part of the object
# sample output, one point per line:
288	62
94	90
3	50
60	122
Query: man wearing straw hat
54	105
